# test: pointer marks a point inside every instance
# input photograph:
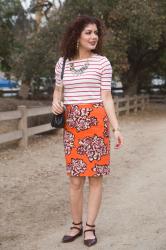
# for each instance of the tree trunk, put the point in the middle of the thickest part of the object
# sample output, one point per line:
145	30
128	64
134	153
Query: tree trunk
131	90
130	82
24	90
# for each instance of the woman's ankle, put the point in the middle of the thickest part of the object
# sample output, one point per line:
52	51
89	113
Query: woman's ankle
90	225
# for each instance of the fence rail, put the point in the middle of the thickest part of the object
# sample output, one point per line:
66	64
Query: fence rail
125	105
157	98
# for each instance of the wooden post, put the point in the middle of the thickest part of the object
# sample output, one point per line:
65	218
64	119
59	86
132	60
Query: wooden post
127	104
116	98
147	99
135	104
22	125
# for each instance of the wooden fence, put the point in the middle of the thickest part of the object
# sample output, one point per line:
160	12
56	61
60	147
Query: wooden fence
122	105
157	98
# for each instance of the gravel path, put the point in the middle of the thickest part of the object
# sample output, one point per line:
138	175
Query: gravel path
34	204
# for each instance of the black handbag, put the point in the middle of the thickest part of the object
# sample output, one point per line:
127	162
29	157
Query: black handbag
58	121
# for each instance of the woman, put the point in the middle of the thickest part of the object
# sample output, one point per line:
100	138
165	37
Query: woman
89	110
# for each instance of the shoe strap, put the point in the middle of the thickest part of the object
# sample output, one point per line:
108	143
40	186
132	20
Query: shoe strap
90	230
77	223
89	225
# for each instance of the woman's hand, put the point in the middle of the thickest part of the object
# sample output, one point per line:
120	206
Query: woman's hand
57	108
118	139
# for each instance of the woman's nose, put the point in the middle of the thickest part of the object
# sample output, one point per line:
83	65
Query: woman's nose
94	35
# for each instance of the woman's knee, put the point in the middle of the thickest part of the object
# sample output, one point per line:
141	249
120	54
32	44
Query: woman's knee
76	182
95	181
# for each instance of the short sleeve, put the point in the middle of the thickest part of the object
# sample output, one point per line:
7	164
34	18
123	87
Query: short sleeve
106	74
58	70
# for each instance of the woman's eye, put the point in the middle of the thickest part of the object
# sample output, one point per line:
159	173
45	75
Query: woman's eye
89	32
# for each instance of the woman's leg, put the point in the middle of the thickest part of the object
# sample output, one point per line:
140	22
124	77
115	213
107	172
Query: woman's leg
94	202
76	200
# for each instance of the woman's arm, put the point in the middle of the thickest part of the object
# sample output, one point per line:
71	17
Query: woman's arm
110	110
109	107
57	106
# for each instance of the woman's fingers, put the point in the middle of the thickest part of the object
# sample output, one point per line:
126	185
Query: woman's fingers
57	108
119	140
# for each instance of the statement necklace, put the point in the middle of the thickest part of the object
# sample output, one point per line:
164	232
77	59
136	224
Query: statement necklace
80	70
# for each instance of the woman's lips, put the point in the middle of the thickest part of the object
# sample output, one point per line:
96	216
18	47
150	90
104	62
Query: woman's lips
92	43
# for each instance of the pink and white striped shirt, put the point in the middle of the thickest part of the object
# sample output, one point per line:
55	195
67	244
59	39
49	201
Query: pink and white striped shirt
86	87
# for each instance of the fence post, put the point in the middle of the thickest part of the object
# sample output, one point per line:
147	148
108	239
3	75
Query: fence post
135	103
116	98
22	125
147	99
127	104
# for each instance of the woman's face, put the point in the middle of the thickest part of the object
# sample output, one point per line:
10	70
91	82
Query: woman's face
89	37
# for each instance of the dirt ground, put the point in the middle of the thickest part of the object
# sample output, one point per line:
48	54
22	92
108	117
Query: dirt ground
34	205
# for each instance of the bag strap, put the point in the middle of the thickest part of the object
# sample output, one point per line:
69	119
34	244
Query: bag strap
63	68
61	97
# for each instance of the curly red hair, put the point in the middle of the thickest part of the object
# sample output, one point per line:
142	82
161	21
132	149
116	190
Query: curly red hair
73	32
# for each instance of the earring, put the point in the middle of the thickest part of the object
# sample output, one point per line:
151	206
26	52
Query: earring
77	45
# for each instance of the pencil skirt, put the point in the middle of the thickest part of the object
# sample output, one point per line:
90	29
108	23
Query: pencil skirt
87	140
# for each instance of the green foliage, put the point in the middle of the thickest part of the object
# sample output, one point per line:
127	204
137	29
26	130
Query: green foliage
13	27
39	54
134	42
138	40
8	11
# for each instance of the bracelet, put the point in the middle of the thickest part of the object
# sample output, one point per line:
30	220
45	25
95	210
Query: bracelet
117	129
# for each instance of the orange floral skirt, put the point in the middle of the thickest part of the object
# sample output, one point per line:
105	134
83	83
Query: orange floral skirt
87	140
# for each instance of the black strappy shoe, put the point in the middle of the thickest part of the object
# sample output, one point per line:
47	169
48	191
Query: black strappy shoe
68	238
90	242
